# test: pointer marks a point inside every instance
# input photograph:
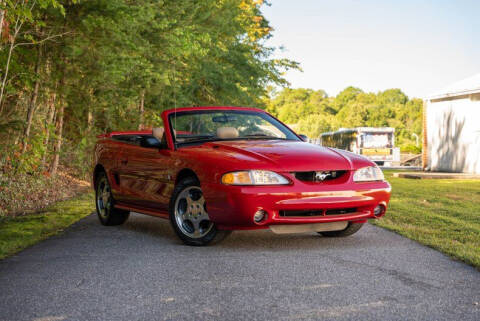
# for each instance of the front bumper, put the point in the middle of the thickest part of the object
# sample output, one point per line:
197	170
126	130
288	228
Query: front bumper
233	207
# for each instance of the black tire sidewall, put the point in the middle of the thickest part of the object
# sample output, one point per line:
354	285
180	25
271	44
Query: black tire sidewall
114	216
99	178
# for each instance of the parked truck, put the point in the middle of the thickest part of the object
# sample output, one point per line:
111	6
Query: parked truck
375	143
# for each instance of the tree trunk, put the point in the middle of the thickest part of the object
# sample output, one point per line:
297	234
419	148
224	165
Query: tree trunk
18	26
48	123
59	120
89	120
5	75
58	143
141	108
33	102
2	16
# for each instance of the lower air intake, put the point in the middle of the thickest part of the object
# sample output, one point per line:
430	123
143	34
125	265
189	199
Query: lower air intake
313	213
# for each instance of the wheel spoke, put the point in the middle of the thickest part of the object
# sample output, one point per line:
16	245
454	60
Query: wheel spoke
187	214
203	216
189	200
196	226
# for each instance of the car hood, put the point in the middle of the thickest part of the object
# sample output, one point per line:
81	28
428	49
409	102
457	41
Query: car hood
282	155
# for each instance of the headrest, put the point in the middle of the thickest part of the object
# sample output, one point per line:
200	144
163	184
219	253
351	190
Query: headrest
227	132
158	133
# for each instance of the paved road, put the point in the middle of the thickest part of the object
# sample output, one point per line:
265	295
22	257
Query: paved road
140	271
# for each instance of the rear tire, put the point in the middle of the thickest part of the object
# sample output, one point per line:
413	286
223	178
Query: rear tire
105	204
189	217
352	228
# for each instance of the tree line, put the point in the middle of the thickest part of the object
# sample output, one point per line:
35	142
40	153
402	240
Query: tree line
71	69
312	112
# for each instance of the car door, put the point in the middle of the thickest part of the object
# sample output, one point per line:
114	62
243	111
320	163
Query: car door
145	176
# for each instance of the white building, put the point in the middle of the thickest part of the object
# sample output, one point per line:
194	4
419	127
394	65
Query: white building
451	135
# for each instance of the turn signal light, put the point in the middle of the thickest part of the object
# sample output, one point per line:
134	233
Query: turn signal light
240	178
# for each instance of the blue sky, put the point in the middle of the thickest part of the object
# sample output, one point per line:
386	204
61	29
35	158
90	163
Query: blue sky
417	46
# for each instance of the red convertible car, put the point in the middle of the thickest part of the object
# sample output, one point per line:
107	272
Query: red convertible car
211	170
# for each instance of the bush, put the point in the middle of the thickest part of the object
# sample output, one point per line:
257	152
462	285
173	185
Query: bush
25	193
411	148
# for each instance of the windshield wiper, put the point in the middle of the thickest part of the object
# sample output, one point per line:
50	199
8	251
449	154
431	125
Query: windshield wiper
212	138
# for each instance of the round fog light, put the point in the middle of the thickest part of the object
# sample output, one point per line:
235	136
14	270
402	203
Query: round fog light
379	210
259	216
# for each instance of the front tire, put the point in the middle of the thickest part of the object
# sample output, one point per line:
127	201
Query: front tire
189	217
105	204
352	228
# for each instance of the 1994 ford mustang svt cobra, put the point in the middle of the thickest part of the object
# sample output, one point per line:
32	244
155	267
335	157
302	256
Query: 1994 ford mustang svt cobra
211	170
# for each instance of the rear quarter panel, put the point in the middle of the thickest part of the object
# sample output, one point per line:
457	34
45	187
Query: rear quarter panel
107	154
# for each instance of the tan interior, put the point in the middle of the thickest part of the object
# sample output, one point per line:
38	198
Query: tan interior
222	132
158	133
227	132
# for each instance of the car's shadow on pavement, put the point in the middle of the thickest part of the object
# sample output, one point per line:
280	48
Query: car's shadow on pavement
151	226
245	240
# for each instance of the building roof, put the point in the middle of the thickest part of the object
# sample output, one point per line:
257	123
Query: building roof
470	85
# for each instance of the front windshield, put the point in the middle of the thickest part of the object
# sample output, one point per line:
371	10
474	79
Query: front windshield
211	125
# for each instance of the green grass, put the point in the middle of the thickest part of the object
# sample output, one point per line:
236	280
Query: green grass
17	233
440	213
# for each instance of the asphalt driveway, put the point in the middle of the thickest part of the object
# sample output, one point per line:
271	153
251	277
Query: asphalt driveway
140	271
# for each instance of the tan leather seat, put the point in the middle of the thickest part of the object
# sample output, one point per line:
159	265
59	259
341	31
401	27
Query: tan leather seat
158	132
227	132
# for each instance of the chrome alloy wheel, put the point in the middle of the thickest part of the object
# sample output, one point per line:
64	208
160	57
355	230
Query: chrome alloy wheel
104	198
190	213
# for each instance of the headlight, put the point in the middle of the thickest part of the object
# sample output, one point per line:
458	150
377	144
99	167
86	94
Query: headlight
368	174
254	177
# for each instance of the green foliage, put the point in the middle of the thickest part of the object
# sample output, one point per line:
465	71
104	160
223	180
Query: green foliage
315	113
315	125
99	59
291	105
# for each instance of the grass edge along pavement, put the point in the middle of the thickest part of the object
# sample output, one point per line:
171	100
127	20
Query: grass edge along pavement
443	214
18	233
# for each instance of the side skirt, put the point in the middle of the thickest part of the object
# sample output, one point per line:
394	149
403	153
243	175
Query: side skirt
141	210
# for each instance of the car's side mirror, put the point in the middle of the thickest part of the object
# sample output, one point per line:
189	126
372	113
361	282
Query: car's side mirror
303	137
